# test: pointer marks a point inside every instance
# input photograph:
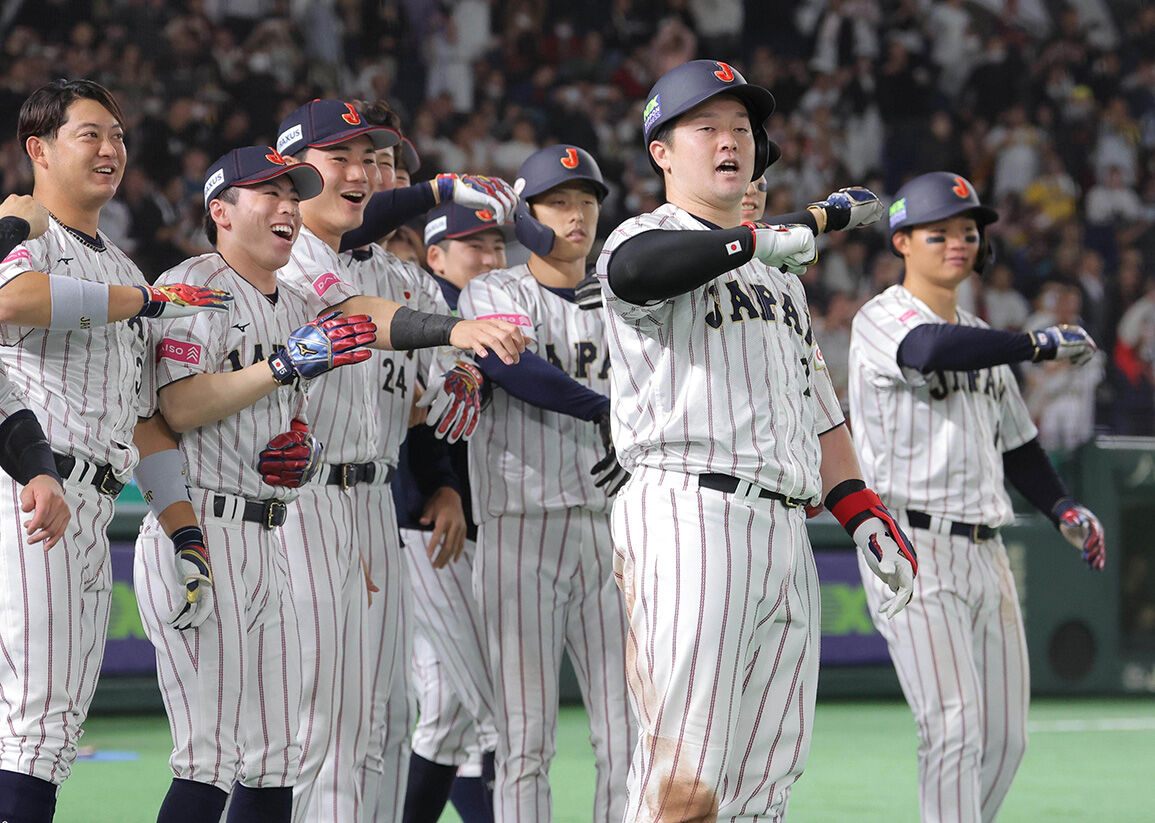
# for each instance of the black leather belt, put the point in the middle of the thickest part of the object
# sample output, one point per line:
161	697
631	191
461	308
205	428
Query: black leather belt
728	485
347	475
973	531
99	476
269	513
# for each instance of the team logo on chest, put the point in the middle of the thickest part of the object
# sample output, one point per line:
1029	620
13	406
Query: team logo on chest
942	384
738	302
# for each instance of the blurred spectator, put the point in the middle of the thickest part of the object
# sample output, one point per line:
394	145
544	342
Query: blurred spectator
832	331
1006	309
1133	412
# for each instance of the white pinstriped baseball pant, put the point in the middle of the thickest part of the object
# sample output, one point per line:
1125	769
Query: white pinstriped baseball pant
53	627
722	655
960	652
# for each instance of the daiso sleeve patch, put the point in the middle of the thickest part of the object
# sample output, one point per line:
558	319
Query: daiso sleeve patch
325	282
516	319
178	350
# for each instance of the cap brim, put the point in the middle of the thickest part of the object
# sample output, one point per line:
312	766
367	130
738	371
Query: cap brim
759	102
383	137
410	156
506	230
306	179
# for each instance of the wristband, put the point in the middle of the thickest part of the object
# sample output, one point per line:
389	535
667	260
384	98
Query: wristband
13	231
419	330
77	304
190	538
24	450
162	480
851	502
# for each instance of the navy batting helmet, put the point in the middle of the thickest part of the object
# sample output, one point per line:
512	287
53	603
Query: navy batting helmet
541	171
687	85
937	196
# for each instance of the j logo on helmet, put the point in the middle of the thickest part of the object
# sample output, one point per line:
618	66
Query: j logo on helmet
570	160
724	72
961	188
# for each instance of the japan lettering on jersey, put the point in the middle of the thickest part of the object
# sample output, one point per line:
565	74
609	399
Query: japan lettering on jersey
530	460
222	456
727	378
949	462
87	386
343	402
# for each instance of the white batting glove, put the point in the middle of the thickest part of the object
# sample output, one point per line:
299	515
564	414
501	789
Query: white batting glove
476	191
196	579
888	551
850	208
789	248
1063	342
454	403
1082	530
891	557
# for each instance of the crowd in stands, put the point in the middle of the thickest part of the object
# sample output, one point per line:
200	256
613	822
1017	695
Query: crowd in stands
1048	106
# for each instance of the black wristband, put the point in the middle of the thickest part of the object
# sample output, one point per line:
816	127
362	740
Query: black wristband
420	330
13	232
24	450
843	489
187	537
281	366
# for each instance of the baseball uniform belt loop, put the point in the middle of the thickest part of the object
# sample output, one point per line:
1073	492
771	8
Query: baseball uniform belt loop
728	485
99	476
347	475
975	532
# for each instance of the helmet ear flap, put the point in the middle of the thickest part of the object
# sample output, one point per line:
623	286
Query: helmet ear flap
531	232
986	254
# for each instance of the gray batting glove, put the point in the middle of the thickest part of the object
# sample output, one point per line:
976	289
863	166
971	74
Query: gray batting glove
1063	343
789	248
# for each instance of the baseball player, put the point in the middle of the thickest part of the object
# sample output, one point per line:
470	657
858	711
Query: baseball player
227	687
754	200
82	376
941	423
343	527
24	451
450	672
542	477
724	414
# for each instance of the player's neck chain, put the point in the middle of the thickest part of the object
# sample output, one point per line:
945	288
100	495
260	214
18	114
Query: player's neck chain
94	243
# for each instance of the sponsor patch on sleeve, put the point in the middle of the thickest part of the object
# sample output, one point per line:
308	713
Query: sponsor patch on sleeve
178	350
515	319
906	315
18	254
325	282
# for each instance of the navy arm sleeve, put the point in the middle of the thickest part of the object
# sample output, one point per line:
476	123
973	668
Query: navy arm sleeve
540	383
657	265
947	347
13	232
387	210
430	462
1032	473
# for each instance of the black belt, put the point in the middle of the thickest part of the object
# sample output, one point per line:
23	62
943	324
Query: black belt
974	531
99	476
728	485
269	513
347	475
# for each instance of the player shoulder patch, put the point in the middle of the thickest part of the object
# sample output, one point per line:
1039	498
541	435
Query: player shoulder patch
906	315
325	282
819	360
17	254
178	350
516	319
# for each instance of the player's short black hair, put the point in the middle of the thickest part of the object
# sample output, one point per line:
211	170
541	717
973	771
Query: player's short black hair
46	109
379	113
229	195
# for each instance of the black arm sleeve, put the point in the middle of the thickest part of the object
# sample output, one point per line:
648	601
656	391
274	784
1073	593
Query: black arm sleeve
430	462
1031	472
24	450
13	232
947	347
386	211
656	265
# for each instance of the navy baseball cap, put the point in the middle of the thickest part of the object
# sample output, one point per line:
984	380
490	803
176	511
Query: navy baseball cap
409	155
450	221
324	123
256	164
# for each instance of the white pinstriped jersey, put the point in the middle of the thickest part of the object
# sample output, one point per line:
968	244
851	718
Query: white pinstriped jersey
727	378
222	456
342	403
524	459
386	275
934	442
86	386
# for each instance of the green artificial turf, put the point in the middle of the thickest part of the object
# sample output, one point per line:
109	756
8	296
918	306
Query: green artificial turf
1088	760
